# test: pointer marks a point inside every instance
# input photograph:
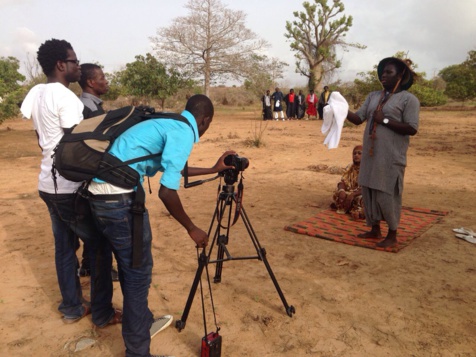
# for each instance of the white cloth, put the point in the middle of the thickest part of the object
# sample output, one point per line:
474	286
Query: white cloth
334	117
267	100
52	107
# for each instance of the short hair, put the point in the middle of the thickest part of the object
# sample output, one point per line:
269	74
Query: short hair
200	106
51	52
87	72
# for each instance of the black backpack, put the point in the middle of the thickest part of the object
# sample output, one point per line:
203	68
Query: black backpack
82	154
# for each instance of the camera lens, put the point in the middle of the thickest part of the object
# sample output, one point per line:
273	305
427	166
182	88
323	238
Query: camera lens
244	163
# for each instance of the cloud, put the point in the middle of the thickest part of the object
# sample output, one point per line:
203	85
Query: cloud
26	40
21	43
5	3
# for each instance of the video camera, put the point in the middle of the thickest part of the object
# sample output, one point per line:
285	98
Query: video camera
230	175
240	164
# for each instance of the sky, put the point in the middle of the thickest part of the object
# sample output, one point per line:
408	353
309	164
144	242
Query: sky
434	33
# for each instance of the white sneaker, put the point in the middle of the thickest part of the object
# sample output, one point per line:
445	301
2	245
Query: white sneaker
160	323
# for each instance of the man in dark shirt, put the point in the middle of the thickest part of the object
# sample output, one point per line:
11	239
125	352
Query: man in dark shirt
93	82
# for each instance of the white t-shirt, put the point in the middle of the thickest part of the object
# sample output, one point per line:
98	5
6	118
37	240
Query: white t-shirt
52	107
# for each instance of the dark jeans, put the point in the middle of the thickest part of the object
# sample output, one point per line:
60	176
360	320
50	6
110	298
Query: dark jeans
114	221
68	223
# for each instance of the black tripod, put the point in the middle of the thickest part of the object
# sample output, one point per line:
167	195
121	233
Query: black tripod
225	201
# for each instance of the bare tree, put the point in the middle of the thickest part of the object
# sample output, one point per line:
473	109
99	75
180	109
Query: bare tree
34	73
314	37
212	42
263	74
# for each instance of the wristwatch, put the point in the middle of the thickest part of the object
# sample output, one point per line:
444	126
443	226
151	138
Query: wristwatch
385	121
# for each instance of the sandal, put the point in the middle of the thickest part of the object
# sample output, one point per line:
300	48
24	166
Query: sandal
115	319
73	319
465	231
467	237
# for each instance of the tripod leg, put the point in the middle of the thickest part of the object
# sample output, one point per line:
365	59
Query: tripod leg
290	310
222	239
202	261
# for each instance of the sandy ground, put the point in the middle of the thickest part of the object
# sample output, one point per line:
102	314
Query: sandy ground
349	301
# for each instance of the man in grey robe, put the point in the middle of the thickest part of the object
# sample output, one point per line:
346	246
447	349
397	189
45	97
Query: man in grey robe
392	116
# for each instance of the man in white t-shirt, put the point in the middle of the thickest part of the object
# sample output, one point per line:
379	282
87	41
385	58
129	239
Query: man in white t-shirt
53	107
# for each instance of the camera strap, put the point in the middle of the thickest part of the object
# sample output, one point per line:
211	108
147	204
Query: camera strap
238	200
204	258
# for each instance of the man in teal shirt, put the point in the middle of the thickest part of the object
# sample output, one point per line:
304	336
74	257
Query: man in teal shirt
111	207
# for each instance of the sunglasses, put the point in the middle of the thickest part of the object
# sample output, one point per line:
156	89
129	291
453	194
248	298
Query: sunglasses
72	61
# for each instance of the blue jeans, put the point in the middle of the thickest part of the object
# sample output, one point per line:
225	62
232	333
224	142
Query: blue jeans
67	224
114	221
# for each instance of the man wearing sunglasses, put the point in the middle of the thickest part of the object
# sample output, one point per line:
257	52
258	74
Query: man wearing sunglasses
53	107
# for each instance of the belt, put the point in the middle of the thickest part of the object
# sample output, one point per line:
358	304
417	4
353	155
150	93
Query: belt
113	197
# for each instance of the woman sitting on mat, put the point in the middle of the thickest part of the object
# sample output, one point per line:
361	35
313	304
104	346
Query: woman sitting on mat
348	195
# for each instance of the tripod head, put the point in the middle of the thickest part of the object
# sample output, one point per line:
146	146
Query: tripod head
230	175
228	189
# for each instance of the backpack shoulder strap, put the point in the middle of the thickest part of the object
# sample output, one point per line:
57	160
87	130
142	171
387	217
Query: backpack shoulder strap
159	115
174	116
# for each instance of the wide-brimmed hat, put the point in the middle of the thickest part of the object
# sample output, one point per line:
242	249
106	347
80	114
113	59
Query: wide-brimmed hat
408	76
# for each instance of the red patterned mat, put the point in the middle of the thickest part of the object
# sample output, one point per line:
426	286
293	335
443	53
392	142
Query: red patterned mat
342	228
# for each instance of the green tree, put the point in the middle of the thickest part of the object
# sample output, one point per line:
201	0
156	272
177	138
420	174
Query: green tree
147	77
368	82
10	89
115	86
212	42
263	74
461	79
427	95
314	36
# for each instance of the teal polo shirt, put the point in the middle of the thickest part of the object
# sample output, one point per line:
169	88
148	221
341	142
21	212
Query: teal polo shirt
172	139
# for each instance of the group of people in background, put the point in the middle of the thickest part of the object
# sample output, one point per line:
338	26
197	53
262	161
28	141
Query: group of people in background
297	106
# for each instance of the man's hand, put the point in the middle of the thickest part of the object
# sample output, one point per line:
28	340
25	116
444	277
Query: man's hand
378	116
220	164
199	237
218	167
